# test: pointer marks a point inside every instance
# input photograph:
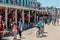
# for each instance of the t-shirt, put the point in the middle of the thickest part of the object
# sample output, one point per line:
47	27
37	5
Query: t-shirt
20	16
40	24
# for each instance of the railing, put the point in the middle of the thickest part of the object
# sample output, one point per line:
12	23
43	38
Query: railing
15	3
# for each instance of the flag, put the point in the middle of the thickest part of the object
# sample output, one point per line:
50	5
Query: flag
38	6
33	5
12	0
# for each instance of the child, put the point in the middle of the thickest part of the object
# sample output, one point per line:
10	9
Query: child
15	30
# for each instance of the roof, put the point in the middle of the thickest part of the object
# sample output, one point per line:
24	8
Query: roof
17	7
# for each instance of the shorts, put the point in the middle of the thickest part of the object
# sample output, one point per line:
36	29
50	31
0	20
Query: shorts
39	28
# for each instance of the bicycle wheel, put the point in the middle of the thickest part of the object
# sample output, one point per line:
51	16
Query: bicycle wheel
38	33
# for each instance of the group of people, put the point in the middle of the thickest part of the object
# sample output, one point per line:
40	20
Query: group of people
50	18
13	28
47	20
17	29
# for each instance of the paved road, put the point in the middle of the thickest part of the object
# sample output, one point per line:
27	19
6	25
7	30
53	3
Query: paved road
52	33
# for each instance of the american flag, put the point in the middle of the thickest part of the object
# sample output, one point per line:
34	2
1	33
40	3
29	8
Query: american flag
33	5
38	6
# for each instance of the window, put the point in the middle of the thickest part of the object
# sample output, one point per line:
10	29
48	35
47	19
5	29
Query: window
23	2
31	2
0	1
26	3
16	2
6	1
20	1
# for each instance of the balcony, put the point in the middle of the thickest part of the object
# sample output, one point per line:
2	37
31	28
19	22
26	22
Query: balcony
14	3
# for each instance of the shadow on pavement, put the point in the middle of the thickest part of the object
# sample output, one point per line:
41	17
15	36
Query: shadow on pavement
19	38
43	36
45	32
23	38
16	39
13	39
4	39
40	36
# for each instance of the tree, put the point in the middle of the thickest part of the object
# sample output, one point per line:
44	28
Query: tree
52	7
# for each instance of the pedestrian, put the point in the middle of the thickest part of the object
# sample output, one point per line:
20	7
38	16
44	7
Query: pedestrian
14	30
20	29
55	20
48	21
1	31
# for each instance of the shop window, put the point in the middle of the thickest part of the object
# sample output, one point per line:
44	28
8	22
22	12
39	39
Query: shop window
20	1
0	1
6	1
23	2
16	2
26	3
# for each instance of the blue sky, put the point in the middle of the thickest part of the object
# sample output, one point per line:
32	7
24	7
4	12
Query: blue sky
45	3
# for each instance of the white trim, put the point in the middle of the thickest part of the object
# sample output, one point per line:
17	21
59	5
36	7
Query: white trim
6	19
23	16
16	15
16	7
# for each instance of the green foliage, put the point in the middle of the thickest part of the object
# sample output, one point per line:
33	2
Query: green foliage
51	7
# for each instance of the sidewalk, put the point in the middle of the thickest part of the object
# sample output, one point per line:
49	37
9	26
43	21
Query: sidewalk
24	34
52	33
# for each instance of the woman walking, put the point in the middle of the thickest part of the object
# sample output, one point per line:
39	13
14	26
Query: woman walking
20	28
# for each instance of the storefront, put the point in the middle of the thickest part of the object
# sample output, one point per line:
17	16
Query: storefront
17	13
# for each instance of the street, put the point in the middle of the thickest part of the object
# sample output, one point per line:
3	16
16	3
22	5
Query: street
51	33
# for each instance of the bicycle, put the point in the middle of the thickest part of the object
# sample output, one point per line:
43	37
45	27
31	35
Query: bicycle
40	32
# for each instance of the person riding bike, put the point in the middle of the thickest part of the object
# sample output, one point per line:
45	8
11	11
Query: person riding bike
40	24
